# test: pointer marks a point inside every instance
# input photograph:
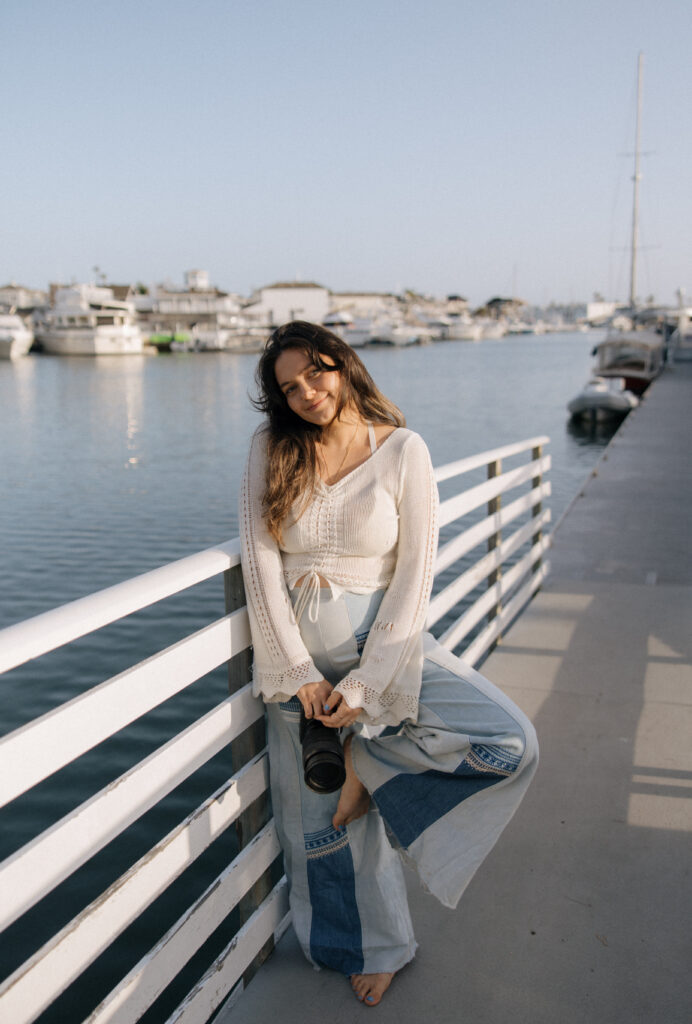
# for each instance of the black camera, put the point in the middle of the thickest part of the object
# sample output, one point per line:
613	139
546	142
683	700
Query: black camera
324	765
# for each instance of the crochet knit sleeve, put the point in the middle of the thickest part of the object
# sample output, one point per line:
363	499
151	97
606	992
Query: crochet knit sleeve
387	681
281	662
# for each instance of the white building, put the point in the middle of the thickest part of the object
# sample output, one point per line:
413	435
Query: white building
600	312
278	303
19	297
197	280
166	307
364	305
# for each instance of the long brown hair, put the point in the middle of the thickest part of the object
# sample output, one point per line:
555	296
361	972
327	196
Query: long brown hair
291	451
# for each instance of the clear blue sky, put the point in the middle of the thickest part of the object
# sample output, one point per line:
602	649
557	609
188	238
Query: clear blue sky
471	147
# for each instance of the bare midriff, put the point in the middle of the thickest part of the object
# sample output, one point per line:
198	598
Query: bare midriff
323	581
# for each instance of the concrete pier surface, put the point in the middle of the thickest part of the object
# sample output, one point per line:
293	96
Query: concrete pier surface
582	912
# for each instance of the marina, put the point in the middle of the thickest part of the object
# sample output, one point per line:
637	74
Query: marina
90	319
97	319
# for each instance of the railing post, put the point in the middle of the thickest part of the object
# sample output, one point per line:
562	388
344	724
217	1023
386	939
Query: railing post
243	748
537	453
495	539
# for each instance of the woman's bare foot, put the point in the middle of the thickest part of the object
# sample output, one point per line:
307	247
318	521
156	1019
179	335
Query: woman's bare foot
354	799
370	988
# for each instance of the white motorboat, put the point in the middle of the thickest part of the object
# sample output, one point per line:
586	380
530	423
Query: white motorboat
603	398
87	320
636	355
390	332
356	332
491	330
463	328
15	337
524	327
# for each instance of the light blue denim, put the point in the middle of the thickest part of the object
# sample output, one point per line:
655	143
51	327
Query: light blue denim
443	788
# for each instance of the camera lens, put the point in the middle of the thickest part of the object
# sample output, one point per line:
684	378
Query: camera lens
324	772
324	768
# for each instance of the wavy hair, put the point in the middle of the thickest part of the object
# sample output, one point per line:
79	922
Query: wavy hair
291	442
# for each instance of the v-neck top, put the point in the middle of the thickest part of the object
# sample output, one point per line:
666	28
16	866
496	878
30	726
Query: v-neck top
373	448
375	528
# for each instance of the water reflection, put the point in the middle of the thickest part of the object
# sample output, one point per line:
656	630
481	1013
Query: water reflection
595	433
19	384
133	412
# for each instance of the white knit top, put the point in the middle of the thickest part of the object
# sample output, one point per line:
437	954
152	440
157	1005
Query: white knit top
374	528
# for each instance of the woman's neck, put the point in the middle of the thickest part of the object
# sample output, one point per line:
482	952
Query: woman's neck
340	431
342	446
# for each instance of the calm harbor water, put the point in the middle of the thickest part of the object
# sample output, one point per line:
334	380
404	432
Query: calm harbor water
111	467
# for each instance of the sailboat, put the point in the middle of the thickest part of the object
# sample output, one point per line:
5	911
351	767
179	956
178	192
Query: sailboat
633	349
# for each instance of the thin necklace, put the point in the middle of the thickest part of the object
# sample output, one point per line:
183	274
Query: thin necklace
335	476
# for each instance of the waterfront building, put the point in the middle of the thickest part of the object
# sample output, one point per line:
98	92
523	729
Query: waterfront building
195	310
297	300
364	305
600	312
21	298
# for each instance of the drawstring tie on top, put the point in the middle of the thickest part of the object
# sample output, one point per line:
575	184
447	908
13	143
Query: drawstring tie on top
309	597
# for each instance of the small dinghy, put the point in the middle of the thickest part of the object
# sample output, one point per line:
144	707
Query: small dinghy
603	398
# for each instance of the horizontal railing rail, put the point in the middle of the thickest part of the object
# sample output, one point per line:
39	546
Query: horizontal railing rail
488	588
45	632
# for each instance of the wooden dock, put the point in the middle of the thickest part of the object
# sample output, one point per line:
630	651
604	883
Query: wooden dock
581	913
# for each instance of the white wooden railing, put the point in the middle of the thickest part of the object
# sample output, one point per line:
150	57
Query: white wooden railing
509	570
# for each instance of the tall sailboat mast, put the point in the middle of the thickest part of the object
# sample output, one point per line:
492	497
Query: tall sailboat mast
636	179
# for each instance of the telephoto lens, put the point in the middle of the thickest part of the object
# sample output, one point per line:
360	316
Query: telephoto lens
324	768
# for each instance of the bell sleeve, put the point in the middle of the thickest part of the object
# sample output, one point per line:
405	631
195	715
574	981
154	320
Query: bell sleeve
386	683
281	662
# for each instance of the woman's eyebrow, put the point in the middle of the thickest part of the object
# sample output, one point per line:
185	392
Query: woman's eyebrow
308	366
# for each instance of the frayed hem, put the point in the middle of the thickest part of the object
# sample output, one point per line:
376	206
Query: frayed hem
410	957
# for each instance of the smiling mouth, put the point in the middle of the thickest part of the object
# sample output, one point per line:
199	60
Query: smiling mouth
311	408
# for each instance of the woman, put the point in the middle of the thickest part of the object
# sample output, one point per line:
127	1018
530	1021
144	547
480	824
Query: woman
338	518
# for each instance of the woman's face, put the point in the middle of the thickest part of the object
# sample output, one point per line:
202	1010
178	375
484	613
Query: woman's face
311	393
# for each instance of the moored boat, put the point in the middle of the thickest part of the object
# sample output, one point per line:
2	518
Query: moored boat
491	330
603	398
463	328
635	355
356	332
15	337
87	320
634	347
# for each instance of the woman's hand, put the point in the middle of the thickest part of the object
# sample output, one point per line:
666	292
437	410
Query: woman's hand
313	696
338	714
